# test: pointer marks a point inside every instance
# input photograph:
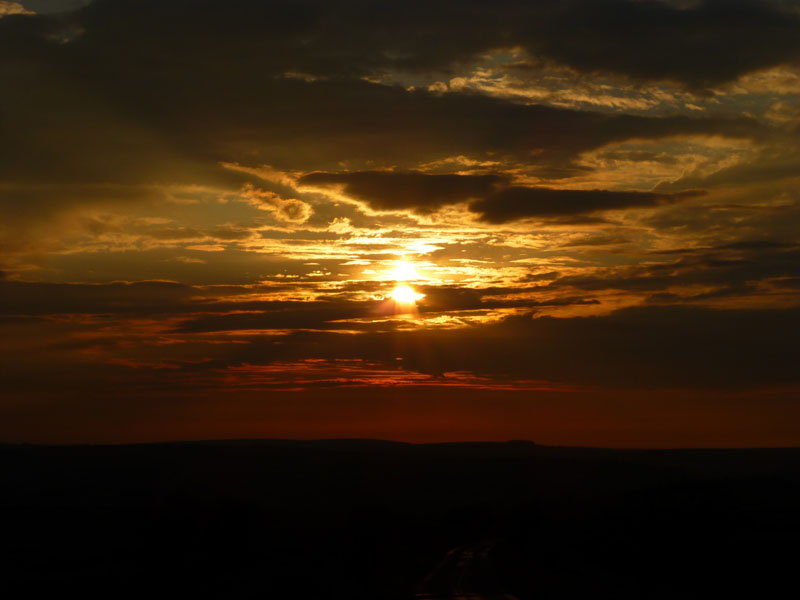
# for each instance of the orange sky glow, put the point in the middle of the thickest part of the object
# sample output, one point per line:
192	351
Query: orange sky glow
274	224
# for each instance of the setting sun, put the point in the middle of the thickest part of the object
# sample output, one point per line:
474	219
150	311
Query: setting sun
405	295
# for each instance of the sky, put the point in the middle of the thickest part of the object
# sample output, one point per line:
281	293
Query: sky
571	221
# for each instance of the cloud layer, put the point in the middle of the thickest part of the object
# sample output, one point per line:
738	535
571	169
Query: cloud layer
589	198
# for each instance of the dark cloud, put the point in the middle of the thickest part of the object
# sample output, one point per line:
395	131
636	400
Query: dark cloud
136	299
494	200
452	298
649	346
743	217
385	190
164	91
281	122
789	282
515	203
735	267
292	316
656	346
126	102
54	6
230	308
703	43
24	298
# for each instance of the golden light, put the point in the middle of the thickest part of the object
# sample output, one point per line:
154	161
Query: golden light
404	271
404	295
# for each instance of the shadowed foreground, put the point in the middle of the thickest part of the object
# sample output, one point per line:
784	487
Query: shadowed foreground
368	519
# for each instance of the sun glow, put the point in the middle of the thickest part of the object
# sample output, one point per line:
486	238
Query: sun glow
404	271
405	296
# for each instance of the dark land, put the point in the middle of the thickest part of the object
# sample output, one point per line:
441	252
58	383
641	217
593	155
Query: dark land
381	520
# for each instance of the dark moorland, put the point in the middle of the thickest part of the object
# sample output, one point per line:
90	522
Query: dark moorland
381	520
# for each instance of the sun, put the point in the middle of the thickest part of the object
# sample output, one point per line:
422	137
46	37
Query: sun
405	296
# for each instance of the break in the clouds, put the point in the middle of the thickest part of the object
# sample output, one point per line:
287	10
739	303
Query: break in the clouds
253	200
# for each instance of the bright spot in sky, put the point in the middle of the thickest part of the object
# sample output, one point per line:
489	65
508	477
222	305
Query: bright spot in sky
404	271
403	294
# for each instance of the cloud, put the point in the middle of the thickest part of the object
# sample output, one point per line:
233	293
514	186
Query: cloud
646	346
91	127
96	104
289	210
143	297
636	347
55	6
94	124
700	44
730	269
703	44
13	8
777	162
492	198
236	145
514	203
386	190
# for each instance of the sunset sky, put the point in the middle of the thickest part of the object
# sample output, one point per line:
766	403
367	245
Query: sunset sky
572	221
